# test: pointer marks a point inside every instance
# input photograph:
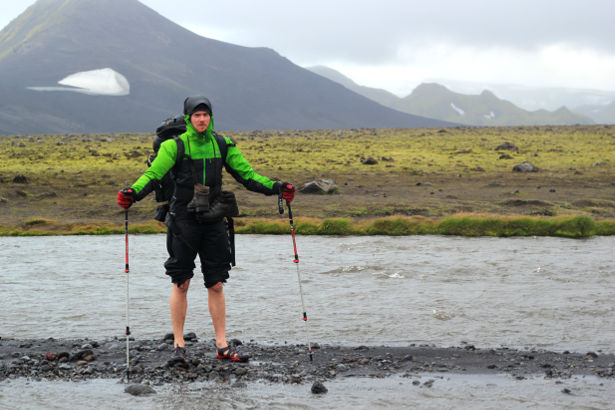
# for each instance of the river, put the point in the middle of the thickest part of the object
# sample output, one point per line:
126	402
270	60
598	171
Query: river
525	293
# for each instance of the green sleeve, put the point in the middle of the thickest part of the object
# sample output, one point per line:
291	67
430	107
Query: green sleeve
241	170
162	164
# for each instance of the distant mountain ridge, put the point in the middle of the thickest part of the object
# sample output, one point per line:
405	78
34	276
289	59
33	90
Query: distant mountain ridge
436	101
484	109
124	67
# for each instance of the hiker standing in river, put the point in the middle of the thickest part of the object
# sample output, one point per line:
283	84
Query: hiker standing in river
197	212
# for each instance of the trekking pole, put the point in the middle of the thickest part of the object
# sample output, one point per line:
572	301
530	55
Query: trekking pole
296	261
127	271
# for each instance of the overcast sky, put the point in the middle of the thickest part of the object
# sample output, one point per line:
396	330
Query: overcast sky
397	44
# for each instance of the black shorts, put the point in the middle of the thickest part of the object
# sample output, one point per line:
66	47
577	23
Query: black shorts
186	239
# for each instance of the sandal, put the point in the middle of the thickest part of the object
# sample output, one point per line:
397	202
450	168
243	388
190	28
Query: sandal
229	352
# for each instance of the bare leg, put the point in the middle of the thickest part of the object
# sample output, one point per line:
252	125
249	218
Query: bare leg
179	306
217	310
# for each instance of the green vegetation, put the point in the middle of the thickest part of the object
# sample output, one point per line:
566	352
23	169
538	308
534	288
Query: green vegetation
449	181
573	227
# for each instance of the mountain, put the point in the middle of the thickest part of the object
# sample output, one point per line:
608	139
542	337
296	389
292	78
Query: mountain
484	109
436	101
602	114
532	98
383	97
116	65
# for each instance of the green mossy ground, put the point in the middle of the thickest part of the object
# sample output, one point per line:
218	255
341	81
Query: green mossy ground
425	181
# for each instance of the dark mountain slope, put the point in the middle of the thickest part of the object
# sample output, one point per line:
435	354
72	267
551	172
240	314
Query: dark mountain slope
251	88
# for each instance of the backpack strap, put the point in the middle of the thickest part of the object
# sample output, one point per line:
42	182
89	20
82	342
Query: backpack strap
223	145
181	151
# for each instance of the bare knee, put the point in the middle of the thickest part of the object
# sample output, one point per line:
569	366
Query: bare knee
217	287
183	287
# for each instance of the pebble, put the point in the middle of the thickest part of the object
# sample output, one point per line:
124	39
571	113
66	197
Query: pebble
319	388
139	390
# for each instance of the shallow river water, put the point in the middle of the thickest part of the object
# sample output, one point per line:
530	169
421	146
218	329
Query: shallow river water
544	293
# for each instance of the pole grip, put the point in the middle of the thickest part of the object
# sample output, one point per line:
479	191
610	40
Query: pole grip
280	203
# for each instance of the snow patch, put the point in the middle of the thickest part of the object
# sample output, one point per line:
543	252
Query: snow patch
103	81
459	110
489	116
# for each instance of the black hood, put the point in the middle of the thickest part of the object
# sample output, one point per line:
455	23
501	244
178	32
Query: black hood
191	104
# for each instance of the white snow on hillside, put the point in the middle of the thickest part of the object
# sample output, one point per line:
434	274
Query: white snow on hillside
459	110
489	116
103	81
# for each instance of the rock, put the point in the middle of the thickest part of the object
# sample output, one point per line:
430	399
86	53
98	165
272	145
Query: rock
82	354
429	383
190	336
319	388
163	346
90	357
63	356
505	156
369	161
566	391
506	145
525	167
139	390
21	179
50	356
319	186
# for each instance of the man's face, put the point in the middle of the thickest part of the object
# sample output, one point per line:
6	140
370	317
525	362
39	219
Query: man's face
200	120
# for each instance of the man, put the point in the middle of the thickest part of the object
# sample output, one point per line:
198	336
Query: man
191	229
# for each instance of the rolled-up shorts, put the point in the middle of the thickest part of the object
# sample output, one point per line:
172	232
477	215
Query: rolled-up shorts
186	239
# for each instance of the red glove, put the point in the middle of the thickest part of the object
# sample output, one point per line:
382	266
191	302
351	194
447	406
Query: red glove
125	197
288	191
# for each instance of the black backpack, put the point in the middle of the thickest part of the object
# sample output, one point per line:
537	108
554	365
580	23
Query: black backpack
172	128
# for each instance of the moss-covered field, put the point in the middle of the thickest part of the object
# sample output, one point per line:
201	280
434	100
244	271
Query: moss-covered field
443	181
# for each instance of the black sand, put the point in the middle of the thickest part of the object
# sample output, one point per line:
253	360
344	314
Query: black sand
83	359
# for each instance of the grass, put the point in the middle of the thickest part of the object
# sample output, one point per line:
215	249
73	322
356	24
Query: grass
472	225
442	181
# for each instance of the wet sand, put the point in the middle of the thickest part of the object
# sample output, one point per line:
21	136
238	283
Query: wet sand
83	359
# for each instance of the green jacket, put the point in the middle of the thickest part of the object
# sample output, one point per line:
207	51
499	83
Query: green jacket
205	154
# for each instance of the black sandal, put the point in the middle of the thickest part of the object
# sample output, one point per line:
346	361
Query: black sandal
229	352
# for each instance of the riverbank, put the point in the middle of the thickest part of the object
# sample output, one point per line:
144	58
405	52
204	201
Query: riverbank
461	225
84	359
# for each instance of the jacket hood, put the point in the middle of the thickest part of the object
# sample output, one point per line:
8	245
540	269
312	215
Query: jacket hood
191	103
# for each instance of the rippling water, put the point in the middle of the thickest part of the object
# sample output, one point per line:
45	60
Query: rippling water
521	292
518	292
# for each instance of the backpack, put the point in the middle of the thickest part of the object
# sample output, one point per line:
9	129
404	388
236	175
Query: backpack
172	128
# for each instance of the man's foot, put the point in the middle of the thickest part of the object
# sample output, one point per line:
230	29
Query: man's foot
231	353
178	357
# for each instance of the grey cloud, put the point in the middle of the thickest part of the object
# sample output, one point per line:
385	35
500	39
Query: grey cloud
373	31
